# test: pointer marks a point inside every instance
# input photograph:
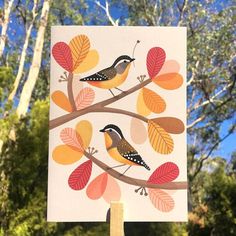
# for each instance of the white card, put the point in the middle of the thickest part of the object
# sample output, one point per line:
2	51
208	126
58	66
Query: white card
117	97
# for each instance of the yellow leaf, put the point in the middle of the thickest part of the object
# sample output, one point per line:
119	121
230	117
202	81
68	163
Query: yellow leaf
88	63
61	100
79	46
141	107
153	101
160	140
85	130
169	81
65	155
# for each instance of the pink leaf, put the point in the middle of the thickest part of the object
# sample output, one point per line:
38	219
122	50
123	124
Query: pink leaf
161	200
112	192
164	173
155	60
97	187
71	138
62	54
84	98
80	176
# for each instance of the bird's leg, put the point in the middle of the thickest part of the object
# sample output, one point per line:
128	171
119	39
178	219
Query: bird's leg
120	90
112	93
92	150
115	166
125	171
142	192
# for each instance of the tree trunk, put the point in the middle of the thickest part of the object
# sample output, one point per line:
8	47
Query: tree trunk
36	62
23	54
6	14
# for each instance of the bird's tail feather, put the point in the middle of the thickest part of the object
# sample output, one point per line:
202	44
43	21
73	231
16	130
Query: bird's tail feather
146	166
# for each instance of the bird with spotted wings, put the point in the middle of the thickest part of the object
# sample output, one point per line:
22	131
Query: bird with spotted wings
111	77
119	148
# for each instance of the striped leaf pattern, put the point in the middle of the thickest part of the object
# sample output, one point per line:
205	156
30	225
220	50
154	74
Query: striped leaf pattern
161	200
165	173
79	46
155	60
160	140
71	138
153	101
80	176
84	98
62	54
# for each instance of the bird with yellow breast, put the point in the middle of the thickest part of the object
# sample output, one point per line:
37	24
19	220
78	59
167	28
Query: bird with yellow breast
119	148
111	77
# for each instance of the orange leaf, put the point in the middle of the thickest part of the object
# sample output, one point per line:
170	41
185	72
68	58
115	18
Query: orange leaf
97	187
161	200
160	140
71	138
61	100
79	46
84	98
170	124
112	192
153	101
140	136
65	155
141	107
90	61
85	130
169	81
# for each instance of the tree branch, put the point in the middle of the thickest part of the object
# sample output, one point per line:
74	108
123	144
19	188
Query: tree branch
65	118
181	11
133	181
211	150
106	9
211	99
70	91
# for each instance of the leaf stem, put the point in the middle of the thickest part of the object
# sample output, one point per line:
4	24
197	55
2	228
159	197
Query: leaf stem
70	91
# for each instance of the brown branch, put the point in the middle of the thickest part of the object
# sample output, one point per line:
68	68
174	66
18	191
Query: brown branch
202	160
95	107
70	91
133	181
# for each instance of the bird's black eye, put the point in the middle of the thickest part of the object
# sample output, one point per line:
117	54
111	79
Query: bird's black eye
125	61
110	130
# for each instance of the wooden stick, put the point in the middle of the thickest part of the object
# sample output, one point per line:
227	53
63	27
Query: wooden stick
117	219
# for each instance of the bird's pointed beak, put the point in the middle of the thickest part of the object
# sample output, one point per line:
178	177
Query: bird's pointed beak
102	130
132	59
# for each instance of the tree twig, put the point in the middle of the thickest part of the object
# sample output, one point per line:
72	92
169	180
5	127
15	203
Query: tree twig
201	161
134	181
106	9
70	91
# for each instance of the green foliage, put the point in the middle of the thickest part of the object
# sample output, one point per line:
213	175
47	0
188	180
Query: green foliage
25	167
6	80
216	215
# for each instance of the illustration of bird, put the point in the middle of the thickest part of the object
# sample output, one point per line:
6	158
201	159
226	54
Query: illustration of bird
119	149
113	76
